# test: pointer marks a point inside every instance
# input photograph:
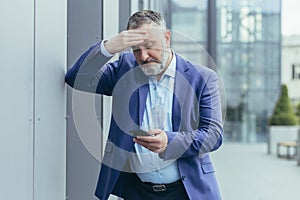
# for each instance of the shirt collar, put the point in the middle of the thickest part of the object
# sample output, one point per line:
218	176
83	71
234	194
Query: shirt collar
171	70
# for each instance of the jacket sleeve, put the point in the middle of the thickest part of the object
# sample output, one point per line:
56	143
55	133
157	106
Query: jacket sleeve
90	74
208	135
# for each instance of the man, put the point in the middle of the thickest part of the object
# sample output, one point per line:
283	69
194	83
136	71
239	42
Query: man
166	115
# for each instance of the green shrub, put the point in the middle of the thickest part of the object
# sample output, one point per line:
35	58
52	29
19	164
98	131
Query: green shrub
298	112
283	113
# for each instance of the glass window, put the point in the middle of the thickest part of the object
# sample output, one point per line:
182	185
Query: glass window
296	71
248	55
189	18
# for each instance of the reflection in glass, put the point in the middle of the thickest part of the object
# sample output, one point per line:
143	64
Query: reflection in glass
189	19
248	55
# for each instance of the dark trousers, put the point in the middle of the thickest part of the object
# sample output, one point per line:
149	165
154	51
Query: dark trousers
139	190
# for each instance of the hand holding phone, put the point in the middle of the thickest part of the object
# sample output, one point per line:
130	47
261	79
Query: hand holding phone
157	142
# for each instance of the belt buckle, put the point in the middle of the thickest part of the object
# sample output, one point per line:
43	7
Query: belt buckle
159	188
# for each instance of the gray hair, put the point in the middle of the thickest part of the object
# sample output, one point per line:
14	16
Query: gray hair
145	17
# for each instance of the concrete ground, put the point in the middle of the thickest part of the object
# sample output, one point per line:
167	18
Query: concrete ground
247	172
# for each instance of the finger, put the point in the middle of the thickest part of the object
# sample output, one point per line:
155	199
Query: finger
134	43
146	144
136	31
160	150
148	139
152	146
134	35
131	37
135	38
130	42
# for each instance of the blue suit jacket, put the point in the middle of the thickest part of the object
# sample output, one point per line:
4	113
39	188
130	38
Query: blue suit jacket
196	120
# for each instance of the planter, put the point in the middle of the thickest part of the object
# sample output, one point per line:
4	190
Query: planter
281	134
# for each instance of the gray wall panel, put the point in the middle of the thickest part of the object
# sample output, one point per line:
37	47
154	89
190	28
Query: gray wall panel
50	103
84	29
16	86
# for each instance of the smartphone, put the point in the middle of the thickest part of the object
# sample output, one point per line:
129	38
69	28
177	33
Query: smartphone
139	133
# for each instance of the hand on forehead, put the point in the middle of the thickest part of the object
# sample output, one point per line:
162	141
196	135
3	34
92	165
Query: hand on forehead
152	29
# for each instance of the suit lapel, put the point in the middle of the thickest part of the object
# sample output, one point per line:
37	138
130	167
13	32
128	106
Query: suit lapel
138	100
143	93
181	79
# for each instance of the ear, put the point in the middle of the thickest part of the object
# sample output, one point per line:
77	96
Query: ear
168	38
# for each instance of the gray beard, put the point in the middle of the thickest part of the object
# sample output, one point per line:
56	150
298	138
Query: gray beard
152	69
155	69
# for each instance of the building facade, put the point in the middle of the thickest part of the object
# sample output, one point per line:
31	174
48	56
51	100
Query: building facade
290	67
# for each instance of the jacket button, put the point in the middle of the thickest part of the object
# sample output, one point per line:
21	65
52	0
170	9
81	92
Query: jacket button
182	178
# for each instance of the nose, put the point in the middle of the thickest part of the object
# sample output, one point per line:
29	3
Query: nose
143	54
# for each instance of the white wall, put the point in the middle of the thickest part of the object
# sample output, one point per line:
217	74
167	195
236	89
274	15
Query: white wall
16	86
290	56
50	103
32	117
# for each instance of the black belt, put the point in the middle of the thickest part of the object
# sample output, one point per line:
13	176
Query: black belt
160	187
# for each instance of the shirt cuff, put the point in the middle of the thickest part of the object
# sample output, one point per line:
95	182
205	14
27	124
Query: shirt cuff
104	51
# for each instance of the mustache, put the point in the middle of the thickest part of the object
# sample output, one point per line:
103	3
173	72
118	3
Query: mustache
149	61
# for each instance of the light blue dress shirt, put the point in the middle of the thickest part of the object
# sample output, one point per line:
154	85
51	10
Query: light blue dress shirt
158	115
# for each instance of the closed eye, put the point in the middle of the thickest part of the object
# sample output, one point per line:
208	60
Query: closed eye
136	50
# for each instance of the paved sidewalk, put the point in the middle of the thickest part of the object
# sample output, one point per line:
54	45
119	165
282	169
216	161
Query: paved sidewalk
246	172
